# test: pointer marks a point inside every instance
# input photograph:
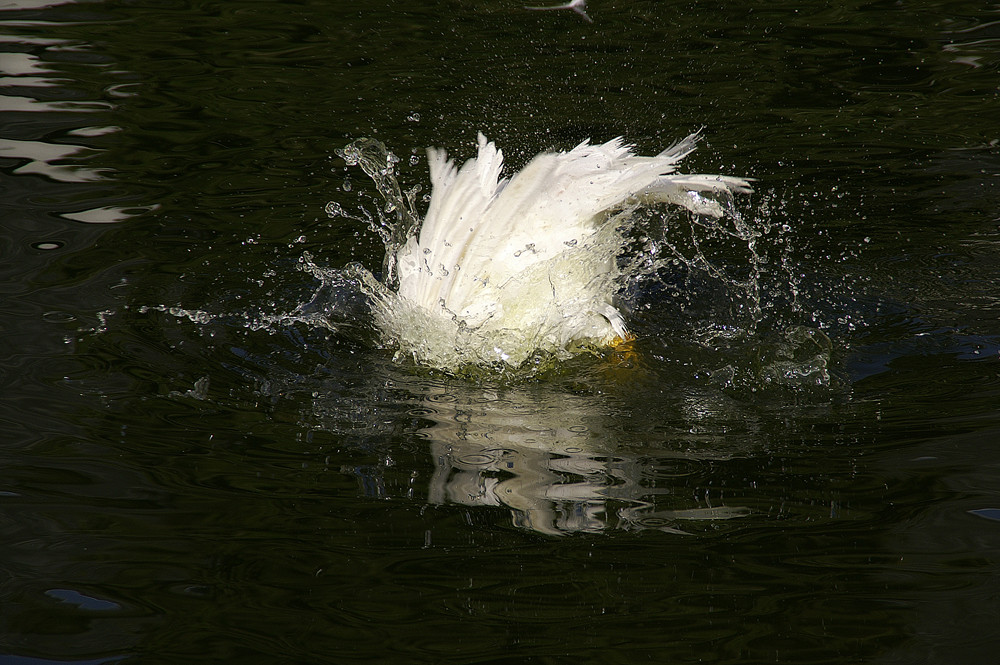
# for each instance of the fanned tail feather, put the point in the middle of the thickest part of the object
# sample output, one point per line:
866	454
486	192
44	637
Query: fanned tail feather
488	246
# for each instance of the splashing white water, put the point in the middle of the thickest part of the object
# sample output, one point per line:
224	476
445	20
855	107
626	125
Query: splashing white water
504	271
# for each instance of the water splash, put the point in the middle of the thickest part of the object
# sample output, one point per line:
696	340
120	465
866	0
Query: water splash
398	218
334	305
704	248
715	298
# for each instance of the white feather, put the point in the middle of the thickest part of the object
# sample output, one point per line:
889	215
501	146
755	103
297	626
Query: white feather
488	246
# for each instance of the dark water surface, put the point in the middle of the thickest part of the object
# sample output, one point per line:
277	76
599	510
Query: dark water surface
804	469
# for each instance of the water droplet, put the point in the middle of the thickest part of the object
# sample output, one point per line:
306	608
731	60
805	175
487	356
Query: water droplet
334	209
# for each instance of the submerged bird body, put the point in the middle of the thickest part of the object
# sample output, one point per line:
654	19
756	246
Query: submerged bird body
503	267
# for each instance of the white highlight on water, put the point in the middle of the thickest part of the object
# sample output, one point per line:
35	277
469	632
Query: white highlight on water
501	269
578	6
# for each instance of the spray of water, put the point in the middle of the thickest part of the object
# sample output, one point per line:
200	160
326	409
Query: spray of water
700	282
671	267
515	274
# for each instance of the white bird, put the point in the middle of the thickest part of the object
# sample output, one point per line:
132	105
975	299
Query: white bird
503	267
578	6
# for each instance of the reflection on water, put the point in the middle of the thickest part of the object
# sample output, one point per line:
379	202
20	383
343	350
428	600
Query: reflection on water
55	120
553	464
44	159
547	456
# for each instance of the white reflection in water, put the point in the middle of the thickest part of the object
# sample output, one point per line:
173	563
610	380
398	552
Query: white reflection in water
31	4
22	66
108	214
552	461
28	73
32	105
43	159
559	461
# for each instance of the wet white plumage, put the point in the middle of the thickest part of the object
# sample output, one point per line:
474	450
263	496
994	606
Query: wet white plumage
502	267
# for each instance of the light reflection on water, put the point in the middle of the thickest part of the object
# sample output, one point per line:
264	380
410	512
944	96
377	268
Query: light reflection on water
552	462
41	158
558	460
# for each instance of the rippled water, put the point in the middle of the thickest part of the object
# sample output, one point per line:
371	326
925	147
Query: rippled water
210	454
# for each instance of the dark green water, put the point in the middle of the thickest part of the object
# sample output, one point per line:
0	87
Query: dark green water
810	476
